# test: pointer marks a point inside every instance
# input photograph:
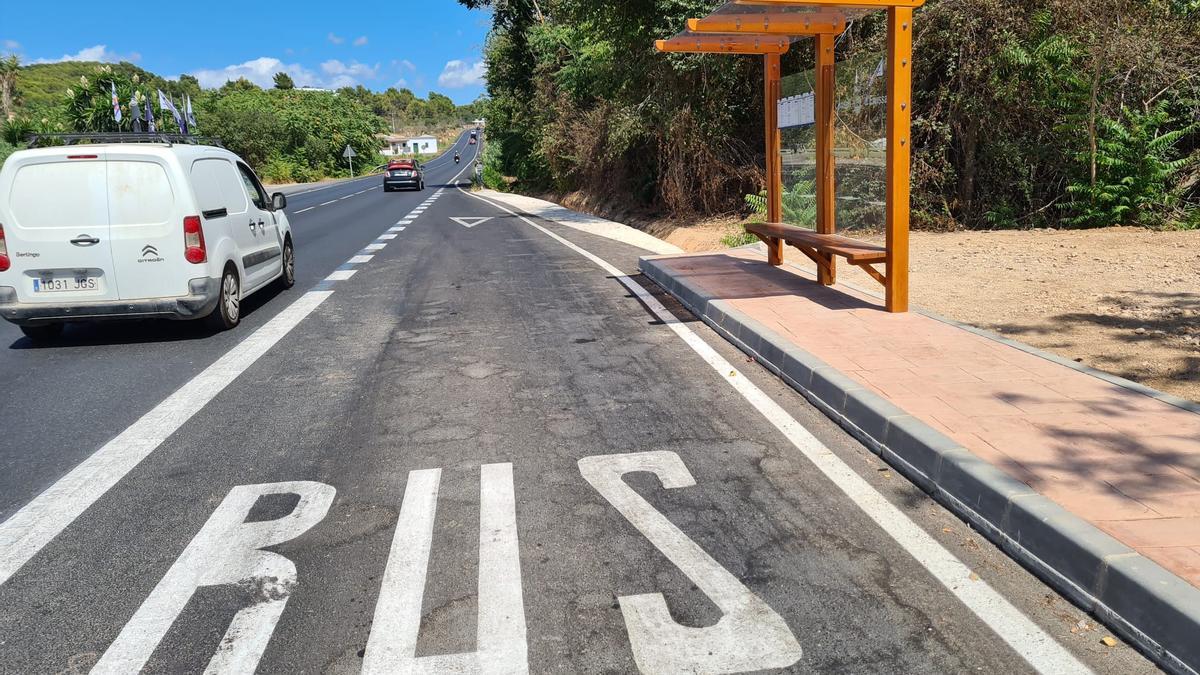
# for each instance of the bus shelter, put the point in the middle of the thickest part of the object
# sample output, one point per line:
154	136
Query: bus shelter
770	28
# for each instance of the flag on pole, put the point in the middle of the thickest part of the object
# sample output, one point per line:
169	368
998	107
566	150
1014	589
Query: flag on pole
135	113
150	125
116	102
166	104
191	118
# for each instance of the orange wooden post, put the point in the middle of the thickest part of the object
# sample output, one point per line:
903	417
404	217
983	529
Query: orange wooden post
899	148
826	186
771	87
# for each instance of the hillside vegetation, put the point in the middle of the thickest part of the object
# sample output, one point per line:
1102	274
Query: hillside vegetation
1065	113
286	134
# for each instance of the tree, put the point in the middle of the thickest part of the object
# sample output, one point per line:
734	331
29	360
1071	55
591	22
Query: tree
284	81
9	68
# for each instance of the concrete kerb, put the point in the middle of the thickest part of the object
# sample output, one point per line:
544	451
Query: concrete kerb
1139	600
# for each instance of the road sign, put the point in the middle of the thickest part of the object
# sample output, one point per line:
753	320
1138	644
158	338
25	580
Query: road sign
349	152
470	222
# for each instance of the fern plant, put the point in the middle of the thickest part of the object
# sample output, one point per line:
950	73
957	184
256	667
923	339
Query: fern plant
799	204
1136	164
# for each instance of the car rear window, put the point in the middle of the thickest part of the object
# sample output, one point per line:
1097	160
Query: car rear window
400	165
139	193
60	194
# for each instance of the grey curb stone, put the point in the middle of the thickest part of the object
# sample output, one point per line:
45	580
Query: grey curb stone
1135	597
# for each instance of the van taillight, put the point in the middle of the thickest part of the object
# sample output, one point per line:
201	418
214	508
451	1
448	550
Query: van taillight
4	262
193	240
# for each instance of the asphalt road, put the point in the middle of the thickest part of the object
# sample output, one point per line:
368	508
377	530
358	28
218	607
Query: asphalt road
472	445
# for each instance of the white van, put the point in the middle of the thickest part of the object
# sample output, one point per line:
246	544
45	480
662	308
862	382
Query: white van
135	230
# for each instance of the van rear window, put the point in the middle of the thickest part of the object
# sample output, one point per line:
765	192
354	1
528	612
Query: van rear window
60	194
139	193
218	186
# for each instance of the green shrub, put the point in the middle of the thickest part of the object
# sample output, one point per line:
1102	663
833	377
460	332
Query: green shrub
1136	166
736	239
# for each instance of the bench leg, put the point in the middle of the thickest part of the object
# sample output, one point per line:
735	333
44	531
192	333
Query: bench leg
827	270
774	251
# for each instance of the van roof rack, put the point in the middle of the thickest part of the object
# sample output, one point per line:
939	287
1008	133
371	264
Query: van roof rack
35	139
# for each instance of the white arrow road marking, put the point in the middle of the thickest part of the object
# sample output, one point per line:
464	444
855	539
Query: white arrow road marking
51	512
227	551
471	222
502	647
749	636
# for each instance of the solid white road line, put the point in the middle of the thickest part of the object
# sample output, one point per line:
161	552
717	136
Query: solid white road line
1024	636
340	275
48	514
359	259
500	621
308	209
374	247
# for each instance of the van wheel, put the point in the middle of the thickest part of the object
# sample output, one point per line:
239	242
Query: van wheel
228	312
288	278
43	332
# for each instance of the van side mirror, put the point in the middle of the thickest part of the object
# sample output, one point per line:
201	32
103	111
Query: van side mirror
278	201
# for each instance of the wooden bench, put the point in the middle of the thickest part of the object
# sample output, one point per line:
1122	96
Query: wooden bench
822	248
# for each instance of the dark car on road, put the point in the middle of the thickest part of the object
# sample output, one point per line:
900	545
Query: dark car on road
403	173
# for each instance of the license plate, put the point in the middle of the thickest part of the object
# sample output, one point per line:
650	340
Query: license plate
61	284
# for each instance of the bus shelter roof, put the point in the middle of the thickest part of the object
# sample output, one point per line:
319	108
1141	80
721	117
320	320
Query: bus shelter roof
770	26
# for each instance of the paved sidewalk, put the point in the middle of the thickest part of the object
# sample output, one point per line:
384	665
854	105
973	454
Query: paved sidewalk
1123	460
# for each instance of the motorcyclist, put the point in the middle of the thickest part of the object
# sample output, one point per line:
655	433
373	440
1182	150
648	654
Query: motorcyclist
456	158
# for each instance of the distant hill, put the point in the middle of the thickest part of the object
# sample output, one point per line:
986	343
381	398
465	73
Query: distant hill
42	85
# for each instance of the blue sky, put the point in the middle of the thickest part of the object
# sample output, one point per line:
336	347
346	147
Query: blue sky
420	44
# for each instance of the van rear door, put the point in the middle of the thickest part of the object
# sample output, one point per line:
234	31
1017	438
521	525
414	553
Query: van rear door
57	227
146	227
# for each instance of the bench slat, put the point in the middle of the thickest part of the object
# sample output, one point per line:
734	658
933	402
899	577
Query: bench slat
852	250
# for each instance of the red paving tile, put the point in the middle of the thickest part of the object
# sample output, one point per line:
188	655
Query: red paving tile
1124	461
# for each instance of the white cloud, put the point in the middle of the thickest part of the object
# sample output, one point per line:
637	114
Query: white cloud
93	53
347	75
401	83
360	40
261	71
335	39
12	45
408	65
458	74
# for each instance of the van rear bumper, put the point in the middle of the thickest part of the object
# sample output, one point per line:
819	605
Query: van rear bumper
198	303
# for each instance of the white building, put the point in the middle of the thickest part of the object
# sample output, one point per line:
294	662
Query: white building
404	145
423	145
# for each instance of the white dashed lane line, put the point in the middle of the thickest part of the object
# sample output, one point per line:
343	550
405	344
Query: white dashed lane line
387	237
308	209
374	247
340	275
327	203
359	259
